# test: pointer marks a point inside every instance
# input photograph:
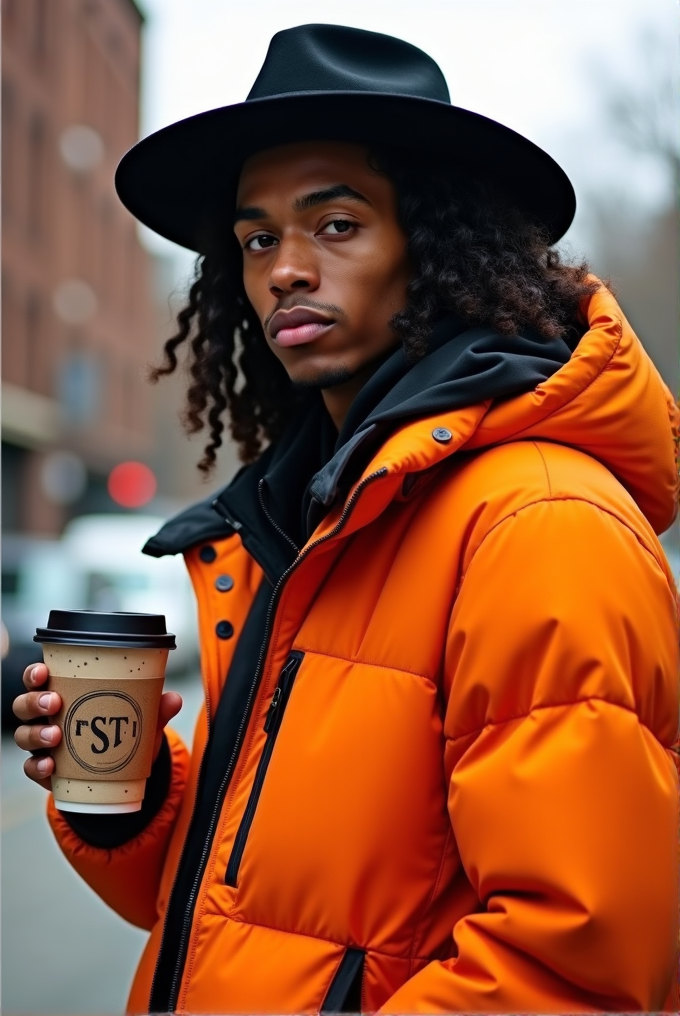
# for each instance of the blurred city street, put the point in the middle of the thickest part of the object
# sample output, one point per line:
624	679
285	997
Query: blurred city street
94	459
64	950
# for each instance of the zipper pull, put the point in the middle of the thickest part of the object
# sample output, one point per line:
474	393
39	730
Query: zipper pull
219	508
282	688
273	706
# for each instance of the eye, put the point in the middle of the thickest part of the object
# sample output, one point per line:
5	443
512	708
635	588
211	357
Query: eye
337	227
263	241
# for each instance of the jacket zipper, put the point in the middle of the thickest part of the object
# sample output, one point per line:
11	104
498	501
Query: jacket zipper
272	725
154	982
345	991
188	912
272	520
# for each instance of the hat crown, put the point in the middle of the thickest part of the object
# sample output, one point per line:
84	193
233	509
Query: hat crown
321	83
334	58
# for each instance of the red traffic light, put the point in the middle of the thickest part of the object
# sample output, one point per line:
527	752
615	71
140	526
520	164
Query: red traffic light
131	484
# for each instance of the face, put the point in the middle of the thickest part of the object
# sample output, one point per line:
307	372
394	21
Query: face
324	258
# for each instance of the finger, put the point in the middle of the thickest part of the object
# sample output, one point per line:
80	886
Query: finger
37	738
35	675
39	768
36	703
171	703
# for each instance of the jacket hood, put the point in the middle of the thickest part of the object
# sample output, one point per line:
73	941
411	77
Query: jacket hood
463	366
610	402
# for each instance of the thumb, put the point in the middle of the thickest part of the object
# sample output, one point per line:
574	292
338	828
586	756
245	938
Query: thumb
171	703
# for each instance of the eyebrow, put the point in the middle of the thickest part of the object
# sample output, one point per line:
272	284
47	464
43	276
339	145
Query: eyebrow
307	201
340	190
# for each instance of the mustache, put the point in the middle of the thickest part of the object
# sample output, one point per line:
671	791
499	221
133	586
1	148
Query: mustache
287	303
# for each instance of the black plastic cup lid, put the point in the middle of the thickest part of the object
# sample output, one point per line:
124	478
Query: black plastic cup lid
117	629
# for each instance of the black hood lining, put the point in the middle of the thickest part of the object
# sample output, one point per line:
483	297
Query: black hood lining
277	501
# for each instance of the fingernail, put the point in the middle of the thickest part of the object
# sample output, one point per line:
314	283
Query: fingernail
34	675
45	700
43	766
47	733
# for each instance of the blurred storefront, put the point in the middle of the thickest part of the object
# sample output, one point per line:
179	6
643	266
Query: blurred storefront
78	315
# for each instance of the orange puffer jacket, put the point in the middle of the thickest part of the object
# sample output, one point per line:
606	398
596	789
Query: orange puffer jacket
470	803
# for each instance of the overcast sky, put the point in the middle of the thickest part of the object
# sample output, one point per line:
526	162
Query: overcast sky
535	65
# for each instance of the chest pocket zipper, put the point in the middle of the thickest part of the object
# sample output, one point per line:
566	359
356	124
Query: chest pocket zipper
272	725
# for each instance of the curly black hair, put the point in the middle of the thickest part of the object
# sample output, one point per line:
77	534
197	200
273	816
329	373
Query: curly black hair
471	252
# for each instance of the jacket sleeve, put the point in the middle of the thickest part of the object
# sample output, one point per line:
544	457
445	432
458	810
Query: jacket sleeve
562	706
127	877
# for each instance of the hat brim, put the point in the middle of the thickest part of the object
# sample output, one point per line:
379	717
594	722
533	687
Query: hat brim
181	180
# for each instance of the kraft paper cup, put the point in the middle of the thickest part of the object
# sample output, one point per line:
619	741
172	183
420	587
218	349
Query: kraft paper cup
109	670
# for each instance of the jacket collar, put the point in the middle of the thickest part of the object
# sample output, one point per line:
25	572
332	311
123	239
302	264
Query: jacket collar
277	502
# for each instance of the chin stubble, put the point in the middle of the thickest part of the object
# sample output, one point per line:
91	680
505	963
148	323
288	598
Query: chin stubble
327	379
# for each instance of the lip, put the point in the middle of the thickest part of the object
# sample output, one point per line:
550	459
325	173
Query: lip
298	326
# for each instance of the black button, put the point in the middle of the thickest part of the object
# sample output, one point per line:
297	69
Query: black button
224	583
224	629
207	554
442	435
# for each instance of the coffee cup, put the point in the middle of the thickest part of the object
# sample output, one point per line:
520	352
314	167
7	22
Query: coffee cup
109	670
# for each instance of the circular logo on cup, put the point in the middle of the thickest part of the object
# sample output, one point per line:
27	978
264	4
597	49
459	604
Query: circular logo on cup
103	730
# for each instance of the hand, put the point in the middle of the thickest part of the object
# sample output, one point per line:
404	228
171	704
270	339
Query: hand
39	738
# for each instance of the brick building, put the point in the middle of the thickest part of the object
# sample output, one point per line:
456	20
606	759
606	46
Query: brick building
78	319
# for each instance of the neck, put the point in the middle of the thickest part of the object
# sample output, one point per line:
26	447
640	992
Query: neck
340	397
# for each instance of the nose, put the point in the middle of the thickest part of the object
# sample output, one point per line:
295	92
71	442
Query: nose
294	268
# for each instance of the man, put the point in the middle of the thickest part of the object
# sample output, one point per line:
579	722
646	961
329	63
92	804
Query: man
438	632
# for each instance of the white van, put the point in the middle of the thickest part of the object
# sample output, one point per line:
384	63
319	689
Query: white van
98	565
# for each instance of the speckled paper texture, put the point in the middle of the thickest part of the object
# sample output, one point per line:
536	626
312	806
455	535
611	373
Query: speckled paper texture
108	722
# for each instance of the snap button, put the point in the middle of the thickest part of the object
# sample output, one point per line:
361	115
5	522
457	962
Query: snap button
224	629
207	554
441	434
224	583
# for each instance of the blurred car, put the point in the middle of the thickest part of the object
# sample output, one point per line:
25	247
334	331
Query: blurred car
20	615
96	565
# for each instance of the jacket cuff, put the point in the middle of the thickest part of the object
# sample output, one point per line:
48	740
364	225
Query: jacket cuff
109	831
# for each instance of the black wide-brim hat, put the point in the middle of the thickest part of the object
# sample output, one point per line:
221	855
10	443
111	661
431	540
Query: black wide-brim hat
331	83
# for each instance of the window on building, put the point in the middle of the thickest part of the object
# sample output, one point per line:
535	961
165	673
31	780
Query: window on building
104	241
79	385
130	384
36	176
35	372
93	77
7	320
113	259
9	14
39	29
8	149
112	389
130	303
13	362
